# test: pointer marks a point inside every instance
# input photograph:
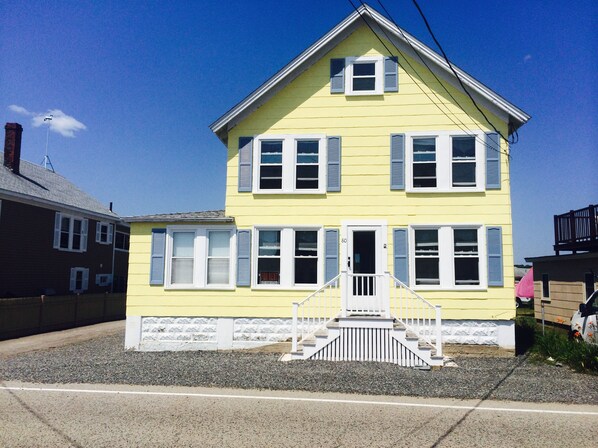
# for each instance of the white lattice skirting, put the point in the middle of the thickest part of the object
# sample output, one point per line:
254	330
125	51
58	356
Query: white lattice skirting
224	333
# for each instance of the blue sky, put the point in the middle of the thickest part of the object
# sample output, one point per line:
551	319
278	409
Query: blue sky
142	81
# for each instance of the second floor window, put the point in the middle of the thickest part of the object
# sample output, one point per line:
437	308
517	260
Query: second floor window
70	233
290	164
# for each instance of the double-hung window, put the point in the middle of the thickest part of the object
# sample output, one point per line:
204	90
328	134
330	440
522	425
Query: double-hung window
288	257
104	232
445	161
448	257
70	233
290	164
364	75
79	281
199	257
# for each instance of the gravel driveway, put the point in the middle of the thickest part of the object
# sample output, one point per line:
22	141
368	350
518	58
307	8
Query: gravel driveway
103	360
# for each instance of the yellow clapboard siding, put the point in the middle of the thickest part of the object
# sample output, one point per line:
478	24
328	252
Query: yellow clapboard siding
305	106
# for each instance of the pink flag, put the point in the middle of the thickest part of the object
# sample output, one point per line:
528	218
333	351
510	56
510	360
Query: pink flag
525	287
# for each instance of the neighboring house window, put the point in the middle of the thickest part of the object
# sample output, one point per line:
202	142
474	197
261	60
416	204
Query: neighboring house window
545	286
446	257
445	161
288	257
79	280
103	279
121	241
290	164
364	75
104	232
70	233
199	257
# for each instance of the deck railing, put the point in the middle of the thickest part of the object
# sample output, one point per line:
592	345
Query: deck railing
416	313
315	311
576	230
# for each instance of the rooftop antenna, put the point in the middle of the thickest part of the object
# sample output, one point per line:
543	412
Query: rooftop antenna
47	162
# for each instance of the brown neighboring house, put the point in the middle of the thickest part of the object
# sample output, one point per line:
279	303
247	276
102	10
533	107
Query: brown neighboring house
563	281
55	239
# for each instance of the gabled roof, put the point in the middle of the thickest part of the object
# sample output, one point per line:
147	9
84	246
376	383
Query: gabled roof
196	217
36	184
385	30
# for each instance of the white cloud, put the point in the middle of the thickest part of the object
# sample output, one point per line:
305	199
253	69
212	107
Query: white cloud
526	58
60	123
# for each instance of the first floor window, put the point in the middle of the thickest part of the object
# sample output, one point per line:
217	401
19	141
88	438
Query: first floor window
199	257
268	260
183	244
218	257
79	280
70	233
427	261
467	260
306	257
448	257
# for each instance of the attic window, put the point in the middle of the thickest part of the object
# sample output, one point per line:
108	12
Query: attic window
365	76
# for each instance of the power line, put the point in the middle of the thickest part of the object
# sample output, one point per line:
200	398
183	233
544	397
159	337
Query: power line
460	125
454	71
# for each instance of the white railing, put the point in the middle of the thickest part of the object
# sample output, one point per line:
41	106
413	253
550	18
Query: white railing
365	294
317	309
416	313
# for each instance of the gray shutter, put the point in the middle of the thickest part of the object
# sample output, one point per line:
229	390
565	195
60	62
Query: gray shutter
391	74
400	244
494	243
492	161
98	231
245	163
73	280
57	222
397	161
334	164
331	256
85	282
337	75
157	256
243	257
110	232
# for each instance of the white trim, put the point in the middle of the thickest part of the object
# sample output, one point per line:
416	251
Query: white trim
446	257
289	159
378	75
287	257
200	252
444	162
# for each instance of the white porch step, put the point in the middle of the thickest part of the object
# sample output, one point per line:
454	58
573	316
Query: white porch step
368	338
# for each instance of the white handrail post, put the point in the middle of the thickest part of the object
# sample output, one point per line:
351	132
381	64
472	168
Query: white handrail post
438	331
295	318
344	293
386	296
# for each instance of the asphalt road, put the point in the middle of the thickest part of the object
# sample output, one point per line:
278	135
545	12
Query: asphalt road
41	415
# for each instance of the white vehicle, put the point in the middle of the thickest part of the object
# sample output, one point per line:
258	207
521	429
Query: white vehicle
584	322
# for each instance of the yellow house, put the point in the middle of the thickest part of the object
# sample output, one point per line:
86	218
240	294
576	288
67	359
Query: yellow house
368	213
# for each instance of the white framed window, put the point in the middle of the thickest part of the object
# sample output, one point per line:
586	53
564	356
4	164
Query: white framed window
103	279
200	257
79	281
104	232
445	161
290	164
70	233
448	257
289	257
364	75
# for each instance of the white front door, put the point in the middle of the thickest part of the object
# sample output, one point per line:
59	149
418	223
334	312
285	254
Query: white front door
365	264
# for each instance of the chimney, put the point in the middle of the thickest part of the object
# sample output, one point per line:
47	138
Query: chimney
12	146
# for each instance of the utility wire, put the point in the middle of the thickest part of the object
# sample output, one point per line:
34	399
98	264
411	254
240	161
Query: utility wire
423	61
455	72
460	125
